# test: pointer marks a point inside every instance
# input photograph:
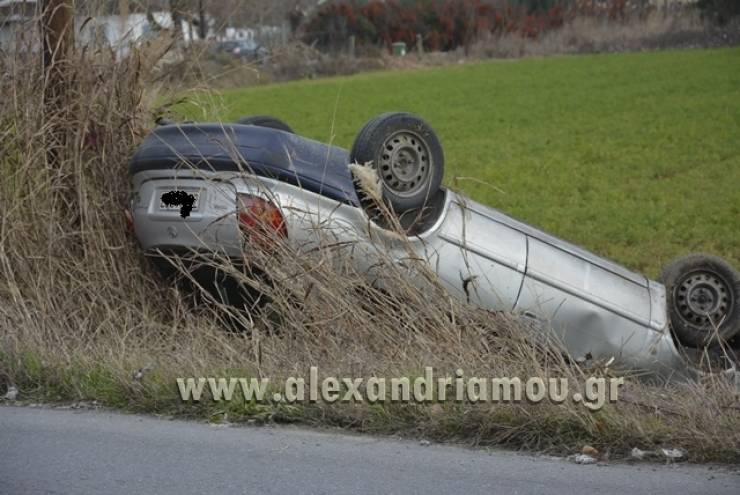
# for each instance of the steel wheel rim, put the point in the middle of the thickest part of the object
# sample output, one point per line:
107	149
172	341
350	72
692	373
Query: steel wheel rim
404	163
703	298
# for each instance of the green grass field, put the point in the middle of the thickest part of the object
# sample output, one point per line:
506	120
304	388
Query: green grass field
634	156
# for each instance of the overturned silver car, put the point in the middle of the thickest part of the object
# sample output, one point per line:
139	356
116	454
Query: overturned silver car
202	186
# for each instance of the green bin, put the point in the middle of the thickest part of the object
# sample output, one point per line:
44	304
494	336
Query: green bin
399	48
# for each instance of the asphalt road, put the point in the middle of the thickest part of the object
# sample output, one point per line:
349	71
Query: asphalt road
45	451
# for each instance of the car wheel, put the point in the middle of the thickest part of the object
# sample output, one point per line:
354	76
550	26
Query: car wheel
407	155
703	303
266	121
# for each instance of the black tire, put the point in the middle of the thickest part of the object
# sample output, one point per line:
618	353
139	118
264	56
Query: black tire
266	121
408	156
703	291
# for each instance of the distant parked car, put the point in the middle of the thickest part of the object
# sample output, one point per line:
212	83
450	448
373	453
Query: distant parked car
594	306
243	49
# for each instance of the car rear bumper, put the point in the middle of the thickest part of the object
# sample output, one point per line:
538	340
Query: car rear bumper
210	226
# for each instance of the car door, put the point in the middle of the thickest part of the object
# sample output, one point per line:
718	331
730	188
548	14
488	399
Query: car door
479	259
596	308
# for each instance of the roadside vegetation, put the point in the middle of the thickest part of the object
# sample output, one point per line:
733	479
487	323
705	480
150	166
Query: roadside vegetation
342	37
84	316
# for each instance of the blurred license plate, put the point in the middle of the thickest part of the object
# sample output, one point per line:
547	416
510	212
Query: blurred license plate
176	206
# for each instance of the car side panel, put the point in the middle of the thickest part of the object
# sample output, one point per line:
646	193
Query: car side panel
582	279
481	261
588	331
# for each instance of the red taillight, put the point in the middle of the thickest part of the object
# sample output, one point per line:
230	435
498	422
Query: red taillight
260	219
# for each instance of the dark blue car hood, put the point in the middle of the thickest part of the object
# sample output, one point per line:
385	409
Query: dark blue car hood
266	152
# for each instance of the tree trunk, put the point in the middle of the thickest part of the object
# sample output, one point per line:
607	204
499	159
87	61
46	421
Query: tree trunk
202	26
57	40
57	37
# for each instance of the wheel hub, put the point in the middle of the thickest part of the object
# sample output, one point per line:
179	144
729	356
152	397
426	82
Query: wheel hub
703	299
404	163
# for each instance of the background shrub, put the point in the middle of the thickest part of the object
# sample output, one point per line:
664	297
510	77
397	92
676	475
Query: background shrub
719	11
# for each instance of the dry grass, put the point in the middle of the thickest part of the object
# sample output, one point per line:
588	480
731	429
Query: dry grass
287	62
657	31
81	310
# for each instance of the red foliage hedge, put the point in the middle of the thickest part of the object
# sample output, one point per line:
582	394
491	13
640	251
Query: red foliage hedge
446	24
443	24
